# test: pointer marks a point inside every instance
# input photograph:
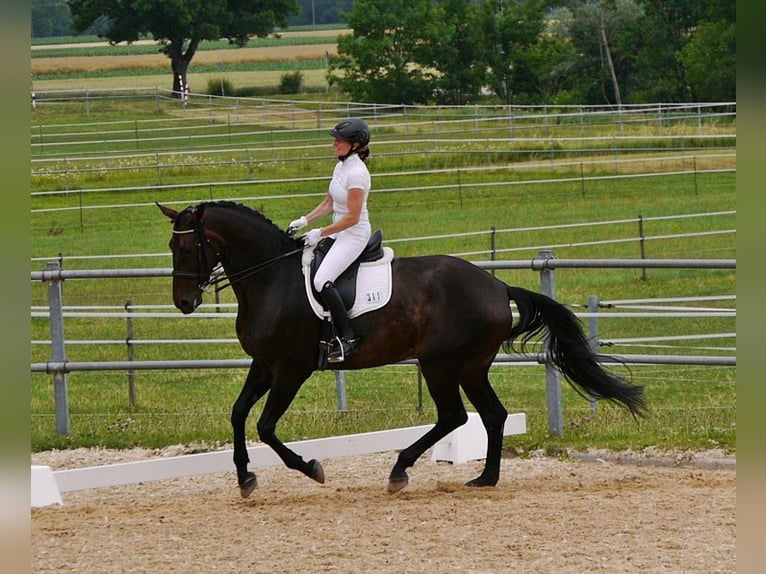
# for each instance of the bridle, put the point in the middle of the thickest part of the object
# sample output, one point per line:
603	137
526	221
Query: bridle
215	278
202	278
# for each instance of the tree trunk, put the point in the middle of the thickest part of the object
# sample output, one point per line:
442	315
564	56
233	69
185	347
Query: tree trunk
602	30
179	62
179	67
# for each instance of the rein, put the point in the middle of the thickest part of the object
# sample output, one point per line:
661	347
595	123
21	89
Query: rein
205	282
249	272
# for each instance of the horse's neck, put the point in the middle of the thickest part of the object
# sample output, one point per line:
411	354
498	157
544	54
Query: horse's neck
245	242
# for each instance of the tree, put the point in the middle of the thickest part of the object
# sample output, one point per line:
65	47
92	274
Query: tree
458	58
179	26
668	25
711	62
510	32
608	53
319	12
388	58
606	71
50	18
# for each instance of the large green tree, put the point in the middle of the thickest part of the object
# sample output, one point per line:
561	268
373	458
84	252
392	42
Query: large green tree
50	18
389	56
710	55
609	43
179	26
510	32
459	59
320	12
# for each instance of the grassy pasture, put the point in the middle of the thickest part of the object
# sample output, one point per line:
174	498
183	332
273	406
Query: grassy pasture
431	177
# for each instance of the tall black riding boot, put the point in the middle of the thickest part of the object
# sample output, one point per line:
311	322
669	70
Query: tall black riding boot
346	340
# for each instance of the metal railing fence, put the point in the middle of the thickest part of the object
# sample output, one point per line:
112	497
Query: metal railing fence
545	264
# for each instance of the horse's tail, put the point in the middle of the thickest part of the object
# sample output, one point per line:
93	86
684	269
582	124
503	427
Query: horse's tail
569	350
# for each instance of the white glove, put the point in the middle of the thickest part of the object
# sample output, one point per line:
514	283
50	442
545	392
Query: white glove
297	225
313	237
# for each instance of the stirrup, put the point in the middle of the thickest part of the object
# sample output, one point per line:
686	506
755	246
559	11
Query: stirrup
341	348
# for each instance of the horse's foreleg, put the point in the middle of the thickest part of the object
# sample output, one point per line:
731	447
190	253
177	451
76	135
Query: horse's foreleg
279	399
256	385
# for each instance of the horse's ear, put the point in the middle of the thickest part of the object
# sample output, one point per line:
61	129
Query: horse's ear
170	213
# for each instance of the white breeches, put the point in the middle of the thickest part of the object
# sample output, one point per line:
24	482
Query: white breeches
348	245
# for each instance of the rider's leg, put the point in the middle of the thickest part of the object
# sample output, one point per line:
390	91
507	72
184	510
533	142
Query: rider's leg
346	248
347	339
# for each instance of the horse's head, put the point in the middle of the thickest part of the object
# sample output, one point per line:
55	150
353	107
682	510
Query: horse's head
193	257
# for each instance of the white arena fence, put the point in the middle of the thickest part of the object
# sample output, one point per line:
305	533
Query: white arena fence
545	264
633	230
281	113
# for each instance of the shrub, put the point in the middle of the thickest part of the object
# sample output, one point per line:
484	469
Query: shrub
290	82
220	87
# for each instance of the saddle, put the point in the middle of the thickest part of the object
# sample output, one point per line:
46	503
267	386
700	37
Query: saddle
346	283
365	286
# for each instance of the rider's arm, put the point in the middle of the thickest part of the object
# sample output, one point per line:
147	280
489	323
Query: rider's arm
324	208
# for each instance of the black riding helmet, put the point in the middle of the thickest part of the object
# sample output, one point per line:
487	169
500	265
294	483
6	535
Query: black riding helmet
353	130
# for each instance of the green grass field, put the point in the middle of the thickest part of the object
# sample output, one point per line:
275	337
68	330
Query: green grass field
93	205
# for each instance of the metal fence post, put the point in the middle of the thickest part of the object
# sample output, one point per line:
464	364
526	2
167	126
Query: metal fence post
340	390
642	243
552	376
593	339
493	246
58	354
131	355
420	388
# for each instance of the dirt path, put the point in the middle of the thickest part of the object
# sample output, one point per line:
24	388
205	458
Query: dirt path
545	515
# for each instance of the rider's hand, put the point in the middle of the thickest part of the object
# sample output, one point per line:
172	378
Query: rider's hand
313	237
297	225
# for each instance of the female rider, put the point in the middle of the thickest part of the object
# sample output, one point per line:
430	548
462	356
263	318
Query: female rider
347	201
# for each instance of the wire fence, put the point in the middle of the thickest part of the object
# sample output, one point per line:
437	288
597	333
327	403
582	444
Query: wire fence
632	231
224	146
58	365
319	115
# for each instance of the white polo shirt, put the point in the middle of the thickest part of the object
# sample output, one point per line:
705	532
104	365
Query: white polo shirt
350	174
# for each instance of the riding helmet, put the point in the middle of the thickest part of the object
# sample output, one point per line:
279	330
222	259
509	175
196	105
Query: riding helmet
352	130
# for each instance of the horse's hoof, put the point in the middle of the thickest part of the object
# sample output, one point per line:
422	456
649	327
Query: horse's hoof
316	471
481	482
247	487
396	484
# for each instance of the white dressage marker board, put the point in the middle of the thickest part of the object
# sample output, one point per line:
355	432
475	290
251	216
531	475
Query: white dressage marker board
44	489
469	442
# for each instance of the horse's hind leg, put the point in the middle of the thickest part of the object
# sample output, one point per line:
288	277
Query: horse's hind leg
256	385
445	391
493	415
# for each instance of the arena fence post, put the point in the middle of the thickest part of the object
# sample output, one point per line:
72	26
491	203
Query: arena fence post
131	353
552	376
58	352
593	304
340	391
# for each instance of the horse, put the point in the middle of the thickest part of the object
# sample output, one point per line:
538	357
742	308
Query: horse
447	313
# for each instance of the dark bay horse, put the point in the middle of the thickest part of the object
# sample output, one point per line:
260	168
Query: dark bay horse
447	313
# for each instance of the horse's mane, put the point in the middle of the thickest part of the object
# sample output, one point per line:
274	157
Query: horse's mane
249	212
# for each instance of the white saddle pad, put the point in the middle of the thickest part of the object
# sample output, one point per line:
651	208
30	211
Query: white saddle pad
373	285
